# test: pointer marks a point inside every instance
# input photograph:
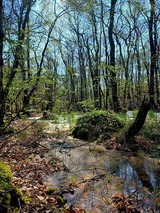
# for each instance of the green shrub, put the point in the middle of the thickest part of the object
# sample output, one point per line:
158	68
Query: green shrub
151	115
121	116
151	131
87	105
96	124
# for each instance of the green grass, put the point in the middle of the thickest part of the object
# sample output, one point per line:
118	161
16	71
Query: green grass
121	116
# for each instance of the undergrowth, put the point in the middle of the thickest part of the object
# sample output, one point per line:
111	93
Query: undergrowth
96	124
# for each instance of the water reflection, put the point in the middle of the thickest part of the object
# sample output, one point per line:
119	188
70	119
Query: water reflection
142	174
152	172
131	176
122	174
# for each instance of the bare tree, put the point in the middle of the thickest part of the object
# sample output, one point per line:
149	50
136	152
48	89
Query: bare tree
116	105
153	51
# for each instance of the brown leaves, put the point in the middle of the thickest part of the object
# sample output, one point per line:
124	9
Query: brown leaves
123	204
30	167
71	209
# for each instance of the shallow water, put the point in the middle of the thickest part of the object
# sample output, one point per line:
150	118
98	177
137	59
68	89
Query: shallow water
100	174
96	174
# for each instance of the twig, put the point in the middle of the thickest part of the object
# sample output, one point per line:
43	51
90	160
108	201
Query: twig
96	177
4	140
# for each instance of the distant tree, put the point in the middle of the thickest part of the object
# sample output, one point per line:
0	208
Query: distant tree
148	102
68	58
50	82
20	11
89	48
14	37
17	83
105	70
81	54
48	22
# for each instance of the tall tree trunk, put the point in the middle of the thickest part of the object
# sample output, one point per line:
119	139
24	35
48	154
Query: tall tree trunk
153	53
82	71
106	98
96	62
94	77
26	73
2	105
116	104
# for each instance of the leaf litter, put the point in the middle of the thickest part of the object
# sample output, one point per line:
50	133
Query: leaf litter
26	156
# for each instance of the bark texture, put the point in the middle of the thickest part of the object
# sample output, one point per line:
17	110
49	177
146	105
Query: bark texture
138	123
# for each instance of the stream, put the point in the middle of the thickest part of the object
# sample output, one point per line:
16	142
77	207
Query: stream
100	174
96	174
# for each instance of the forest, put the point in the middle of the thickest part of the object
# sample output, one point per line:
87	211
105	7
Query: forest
64	55
96	59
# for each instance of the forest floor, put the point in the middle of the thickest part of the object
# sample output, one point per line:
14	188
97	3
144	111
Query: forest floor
26	153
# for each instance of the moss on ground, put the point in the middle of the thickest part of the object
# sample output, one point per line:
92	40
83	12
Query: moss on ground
10	196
